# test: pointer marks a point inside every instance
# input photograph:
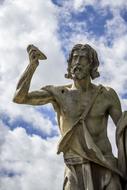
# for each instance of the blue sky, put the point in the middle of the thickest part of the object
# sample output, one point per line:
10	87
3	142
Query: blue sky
92	18
29	135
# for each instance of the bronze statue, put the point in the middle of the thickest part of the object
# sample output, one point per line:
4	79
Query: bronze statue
82	110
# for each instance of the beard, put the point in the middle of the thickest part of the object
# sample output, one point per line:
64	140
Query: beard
80	74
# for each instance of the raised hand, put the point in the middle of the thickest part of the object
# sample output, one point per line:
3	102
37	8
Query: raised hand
35	54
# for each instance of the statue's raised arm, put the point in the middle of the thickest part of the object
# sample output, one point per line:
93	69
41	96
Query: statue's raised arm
22	94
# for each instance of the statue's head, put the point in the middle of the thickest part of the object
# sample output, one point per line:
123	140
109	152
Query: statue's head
83	61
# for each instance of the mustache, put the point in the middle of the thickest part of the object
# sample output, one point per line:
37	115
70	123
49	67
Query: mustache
75	72
76	68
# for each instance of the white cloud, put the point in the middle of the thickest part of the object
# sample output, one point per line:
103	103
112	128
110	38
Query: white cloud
79	4
4	132
114	4
33	159
23	23
116	26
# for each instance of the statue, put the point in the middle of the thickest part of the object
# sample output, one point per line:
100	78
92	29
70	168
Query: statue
82	111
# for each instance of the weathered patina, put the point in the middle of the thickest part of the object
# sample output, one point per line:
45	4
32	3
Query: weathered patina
83	109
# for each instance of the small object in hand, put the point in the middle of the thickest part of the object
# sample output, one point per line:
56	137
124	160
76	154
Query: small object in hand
37	52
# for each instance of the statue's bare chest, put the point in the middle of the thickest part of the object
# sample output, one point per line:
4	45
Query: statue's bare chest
74	102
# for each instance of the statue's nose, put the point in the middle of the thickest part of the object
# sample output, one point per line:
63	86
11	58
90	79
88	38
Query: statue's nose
77	60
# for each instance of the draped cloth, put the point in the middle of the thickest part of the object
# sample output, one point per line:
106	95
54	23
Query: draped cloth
89	176
78	177
90	153
82	178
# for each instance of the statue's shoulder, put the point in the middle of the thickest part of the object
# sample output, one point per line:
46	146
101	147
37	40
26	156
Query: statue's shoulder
109	92
107	89
54	89
63	87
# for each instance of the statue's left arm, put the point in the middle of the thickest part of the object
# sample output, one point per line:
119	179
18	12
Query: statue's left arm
120	119
115	110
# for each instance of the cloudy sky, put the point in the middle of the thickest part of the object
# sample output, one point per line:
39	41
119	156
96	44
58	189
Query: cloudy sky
28	134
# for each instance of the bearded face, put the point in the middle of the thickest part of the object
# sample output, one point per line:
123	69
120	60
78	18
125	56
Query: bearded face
80	66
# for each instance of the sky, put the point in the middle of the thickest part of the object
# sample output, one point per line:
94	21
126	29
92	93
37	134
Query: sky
29	134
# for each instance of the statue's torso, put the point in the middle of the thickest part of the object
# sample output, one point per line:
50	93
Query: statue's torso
71	103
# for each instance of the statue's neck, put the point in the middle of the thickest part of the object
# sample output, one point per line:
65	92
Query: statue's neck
83	84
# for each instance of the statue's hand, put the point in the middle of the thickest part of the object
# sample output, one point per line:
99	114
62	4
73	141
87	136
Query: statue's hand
35	54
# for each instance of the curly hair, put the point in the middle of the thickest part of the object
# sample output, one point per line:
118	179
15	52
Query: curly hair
93	60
